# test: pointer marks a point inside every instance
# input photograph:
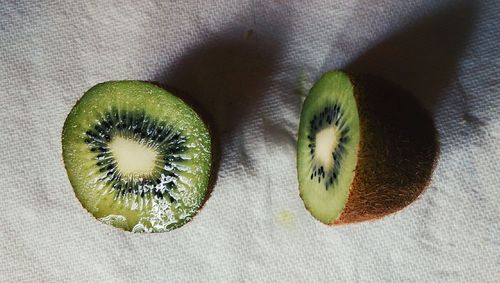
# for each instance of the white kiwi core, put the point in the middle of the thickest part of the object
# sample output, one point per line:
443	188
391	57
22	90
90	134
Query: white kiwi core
132	157
326	142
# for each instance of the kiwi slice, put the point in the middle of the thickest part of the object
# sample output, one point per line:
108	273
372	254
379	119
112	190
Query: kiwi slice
138	157
365	149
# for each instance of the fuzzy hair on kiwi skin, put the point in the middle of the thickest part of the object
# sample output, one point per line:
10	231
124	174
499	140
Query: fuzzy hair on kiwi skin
397	153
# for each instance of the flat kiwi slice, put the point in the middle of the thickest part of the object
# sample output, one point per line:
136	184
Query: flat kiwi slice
365	149
138	157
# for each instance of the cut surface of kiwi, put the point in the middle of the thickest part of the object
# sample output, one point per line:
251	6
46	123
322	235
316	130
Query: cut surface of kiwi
138	157
365	149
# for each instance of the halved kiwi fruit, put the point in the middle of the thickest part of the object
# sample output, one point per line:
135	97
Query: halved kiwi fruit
138	157
366	149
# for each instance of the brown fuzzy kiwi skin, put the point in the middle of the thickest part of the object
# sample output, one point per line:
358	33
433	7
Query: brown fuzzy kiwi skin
397	153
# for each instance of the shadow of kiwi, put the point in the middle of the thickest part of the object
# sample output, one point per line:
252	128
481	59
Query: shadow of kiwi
422	56
223	79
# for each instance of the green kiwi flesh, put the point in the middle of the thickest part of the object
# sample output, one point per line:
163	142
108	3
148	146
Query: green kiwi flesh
327	146
385	153
137	156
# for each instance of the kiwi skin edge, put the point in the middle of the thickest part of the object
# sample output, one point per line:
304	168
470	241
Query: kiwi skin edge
214	137
397	152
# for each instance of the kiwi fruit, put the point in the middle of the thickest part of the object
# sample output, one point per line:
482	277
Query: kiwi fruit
366	149
137	157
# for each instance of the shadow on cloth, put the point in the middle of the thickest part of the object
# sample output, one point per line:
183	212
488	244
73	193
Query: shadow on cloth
423	56
224	78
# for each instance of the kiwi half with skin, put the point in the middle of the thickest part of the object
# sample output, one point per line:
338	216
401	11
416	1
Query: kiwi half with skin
366	149
138	157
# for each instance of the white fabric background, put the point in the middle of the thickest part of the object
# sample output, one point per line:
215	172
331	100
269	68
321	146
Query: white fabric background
242	61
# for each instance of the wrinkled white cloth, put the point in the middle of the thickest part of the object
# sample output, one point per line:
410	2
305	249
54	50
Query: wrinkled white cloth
243	63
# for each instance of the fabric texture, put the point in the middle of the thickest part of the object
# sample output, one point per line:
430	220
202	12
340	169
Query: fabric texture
243	63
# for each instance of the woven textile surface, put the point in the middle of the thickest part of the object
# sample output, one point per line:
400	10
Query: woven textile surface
244	62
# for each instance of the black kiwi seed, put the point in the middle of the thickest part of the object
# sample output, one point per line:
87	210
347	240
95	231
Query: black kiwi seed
168	143
330	114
